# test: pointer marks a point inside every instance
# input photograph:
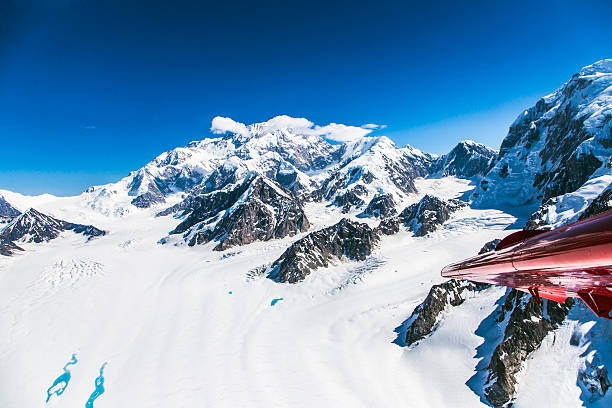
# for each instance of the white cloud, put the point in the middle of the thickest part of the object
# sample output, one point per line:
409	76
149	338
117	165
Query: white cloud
334	131
221	125
284	121
373	126
341	133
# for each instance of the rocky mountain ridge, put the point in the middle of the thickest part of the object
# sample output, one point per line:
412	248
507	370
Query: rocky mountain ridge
466	160
7	211
294	154
556	146
258	209
34	226
347	239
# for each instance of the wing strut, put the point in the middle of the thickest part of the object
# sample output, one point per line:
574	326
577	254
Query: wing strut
536	294
601	305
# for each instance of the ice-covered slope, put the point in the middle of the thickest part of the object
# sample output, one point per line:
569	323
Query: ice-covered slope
182	326
372	166
557	145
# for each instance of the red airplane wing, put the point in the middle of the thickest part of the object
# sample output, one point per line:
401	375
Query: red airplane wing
574	260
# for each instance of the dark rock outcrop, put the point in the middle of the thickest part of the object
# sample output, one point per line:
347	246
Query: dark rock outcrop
389	226
593	378
381	206
598	205
426	316
201	207
429	214
148	199
7	248
468	159
348	200
526	328
537	220
347	239
258	209
34	226
7	210
489	246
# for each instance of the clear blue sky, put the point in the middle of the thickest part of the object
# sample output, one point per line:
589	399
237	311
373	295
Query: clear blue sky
90	90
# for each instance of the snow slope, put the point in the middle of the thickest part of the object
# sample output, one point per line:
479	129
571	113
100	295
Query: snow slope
185	327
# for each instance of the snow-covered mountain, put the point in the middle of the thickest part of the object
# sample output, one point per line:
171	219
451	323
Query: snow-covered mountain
468	159
283	154
34	226
257	209
307	271
7	211
289	151
374	165
556	146
557	154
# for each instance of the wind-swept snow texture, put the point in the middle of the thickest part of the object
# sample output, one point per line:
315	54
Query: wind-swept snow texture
162	318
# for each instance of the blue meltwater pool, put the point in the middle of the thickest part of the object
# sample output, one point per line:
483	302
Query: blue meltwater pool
61	382
99	388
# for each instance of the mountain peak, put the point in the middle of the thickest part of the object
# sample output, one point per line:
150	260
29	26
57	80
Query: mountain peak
34	226
467	159
603	66
555	146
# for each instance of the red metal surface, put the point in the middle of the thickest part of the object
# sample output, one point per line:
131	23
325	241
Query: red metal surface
571	261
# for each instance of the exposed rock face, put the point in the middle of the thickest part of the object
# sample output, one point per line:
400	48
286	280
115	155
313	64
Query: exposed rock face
347	239
429	214
468	159
348	200
147	189
389	226
34	226
526	328
426	316
7	210
8	248
489	246
591	198
554	147
375	164
593	377
602	203
205	206
453	292
381	206
148	199
258	209
538	220
230	172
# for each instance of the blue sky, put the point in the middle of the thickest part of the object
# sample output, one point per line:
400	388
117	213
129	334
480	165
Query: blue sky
90	90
